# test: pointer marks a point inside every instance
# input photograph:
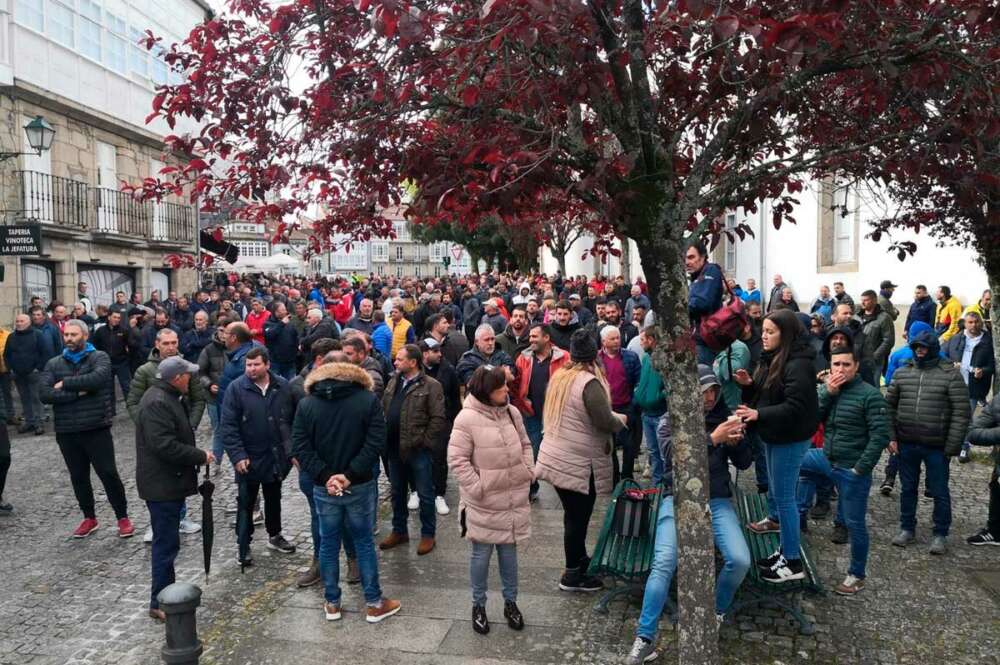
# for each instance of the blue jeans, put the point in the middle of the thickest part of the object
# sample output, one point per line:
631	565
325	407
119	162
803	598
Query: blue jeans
533	426
852	506
214	415
419	469
165	518
783	463
728	538
306	486
123	372
938	465
479	570
284	370
649	424
350	513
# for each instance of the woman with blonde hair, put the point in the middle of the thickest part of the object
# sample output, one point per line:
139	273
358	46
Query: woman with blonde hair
575	455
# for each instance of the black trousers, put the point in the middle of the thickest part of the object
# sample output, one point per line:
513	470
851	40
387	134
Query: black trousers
96	448
993	521
577	509
440	468
247	497
629	440
4	457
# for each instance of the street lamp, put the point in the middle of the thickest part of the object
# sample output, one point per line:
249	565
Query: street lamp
40	135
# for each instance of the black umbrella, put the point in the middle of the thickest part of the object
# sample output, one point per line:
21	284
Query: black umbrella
244	522
206	489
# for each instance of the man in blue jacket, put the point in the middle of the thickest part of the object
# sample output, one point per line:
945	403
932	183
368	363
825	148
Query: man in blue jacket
49	330
238	342
256	424
704	294
923	308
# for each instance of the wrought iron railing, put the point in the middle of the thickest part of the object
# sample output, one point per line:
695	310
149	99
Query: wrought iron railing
73	204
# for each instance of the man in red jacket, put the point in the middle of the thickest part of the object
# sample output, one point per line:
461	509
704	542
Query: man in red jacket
535	365
340	305
256	318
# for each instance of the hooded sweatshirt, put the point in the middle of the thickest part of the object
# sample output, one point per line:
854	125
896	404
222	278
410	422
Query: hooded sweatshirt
904	356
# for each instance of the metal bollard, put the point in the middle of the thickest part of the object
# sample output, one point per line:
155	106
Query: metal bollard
179	602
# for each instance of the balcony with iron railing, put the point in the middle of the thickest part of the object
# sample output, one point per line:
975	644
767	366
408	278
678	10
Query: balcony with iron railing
72	205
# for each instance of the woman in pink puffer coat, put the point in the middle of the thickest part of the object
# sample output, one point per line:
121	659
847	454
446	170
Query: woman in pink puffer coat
490	455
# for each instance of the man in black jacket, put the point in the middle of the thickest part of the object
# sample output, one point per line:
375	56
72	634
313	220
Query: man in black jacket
438	367
166	461
282	342
985	431
338	434
113	340
78	385
25	356
972	352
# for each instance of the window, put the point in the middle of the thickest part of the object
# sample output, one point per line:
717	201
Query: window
438	251
138	57
114	53
251	248
60	23
29	14
38	278
437	271
402	230
380	251
416	270
730	259
838	227
115	24
102	282
90	9
90	39
399	271
243	227
158	70
399	252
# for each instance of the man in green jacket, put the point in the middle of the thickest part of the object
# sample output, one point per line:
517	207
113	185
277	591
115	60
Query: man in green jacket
855	431
929	409
651	400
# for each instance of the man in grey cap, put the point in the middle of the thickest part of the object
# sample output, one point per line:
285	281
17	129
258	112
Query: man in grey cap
886	289
166	463
583	315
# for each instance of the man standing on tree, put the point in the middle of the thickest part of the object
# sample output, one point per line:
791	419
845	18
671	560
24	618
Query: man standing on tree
704	294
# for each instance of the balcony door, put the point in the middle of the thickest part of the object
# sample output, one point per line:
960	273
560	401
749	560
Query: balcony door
37	185
107	183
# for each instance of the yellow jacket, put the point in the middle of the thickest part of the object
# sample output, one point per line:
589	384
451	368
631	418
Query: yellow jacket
946	319
4	334
401	334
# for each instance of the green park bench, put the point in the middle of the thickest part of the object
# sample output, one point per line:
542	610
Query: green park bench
624	560
751	507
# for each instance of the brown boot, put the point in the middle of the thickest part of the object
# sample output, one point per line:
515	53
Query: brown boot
311	576
425	546
353	573
394	540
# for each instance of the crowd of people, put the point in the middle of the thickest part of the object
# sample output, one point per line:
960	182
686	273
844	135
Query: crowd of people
498	382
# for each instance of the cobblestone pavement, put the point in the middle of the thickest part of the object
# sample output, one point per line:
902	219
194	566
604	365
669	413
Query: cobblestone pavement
64	601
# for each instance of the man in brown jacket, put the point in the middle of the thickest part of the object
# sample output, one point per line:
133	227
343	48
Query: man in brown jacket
414	411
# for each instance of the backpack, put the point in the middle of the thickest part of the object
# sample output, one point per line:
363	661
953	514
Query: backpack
721	328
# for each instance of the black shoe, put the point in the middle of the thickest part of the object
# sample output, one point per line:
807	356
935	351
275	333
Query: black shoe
784	571
5	509
839	536
480	623
280	544
927	494
513	615
245	562
762	488
573	580
982	537
767	562
803	524
820	510
886	488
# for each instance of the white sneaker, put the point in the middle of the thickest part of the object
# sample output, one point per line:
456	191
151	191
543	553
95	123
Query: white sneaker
441	505
258	517
188	527
414	501
642	651
148	536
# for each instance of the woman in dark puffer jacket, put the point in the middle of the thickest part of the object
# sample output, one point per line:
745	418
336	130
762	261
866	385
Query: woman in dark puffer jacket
782	408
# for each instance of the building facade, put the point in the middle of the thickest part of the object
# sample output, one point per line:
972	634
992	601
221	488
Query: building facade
78	64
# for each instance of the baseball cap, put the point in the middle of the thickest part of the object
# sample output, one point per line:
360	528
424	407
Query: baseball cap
706	377
574	296
430	343
886	284
173	367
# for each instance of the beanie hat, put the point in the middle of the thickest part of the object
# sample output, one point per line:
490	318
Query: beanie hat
582	347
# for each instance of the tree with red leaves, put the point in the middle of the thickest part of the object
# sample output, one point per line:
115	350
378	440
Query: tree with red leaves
653	118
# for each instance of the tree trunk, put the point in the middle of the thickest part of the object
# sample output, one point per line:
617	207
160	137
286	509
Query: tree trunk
560	257
662	262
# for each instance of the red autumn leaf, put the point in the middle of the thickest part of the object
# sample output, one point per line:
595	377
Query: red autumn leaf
726	26
470	95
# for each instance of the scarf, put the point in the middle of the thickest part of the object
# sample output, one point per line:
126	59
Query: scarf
76	357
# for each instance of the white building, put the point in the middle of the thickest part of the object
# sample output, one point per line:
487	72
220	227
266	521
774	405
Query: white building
823	247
